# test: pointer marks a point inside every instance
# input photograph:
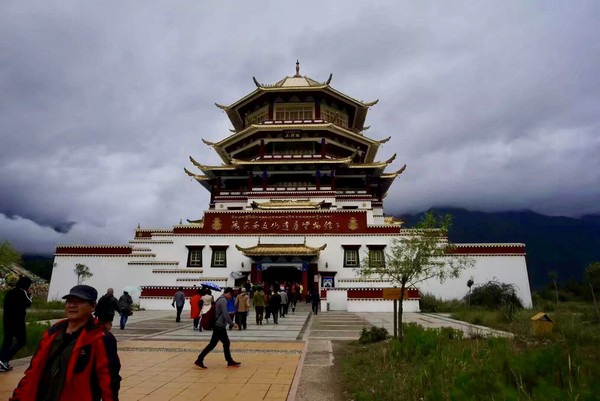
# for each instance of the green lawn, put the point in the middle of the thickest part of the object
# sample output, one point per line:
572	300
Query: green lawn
444	365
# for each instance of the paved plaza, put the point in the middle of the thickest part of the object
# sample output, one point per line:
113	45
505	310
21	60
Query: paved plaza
288	361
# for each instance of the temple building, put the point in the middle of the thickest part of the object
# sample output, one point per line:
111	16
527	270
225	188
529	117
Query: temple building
299	197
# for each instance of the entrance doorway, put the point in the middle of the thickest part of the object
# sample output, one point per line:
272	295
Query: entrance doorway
279	274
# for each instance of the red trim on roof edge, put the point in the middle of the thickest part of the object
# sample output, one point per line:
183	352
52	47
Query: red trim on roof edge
93	250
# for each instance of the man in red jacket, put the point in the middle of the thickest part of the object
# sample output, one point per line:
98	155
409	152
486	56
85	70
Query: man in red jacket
76	358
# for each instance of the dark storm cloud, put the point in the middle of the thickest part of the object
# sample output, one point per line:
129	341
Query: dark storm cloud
493	106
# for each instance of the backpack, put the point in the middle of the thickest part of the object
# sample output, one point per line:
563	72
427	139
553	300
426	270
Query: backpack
208	323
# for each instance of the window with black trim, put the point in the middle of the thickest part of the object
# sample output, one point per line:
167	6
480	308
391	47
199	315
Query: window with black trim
376	255
194	258
219	255
351	256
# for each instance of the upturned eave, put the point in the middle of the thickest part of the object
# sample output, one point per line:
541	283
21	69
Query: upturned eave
262	250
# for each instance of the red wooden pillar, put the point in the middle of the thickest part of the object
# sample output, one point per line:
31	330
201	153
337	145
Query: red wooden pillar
255	274
305	282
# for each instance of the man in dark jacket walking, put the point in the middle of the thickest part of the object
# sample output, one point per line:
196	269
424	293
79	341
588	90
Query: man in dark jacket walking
220	331
16	301
275	304
178	302
316	301
125	302
106	308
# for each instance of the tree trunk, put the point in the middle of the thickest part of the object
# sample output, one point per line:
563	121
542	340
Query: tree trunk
469	298
400	310
595	304
556	292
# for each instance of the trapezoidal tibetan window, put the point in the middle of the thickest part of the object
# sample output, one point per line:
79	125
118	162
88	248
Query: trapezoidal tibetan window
376	255
194	258
351	255
219	255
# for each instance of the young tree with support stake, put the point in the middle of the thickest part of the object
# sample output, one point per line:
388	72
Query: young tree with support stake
423	255
83	272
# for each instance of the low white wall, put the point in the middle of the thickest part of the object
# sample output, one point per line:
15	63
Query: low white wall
338	301
162	304
381	305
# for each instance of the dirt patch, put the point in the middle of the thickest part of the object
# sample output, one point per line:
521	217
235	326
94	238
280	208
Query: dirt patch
321	373
340	349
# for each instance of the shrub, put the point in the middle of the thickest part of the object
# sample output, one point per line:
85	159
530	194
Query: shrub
373	335
496	295
429	303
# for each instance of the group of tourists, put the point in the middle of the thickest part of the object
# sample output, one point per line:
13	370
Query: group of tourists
274	302
77	357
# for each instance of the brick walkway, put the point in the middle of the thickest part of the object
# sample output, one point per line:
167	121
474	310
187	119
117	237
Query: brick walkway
157	356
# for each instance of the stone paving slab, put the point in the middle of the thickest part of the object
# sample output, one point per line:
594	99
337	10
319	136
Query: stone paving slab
165	370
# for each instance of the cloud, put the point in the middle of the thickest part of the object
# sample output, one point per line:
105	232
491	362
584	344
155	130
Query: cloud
492	106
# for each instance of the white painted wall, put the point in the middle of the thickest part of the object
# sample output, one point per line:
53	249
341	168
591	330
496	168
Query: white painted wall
115	272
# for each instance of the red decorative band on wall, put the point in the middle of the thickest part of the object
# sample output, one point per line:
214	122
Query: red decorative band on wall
167	291
94	250
377	293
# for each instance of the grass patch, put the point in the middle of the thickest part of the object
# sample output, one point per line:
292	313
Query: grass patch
444	365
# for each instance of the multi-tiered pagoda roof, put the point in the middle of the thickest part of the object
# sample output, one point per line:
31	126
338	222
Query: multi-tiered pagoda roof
297	135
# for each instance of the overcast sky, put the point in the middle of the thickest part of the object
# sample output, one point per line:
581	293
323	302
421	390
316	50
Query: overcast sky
492	105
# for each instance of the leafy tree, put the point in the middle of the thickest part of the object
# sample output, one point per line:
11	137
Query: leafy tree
8	255
83	272
424	254
496	295
593	276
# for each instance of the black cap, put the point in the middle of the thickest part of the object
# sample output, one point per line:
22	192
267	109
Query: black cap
84	292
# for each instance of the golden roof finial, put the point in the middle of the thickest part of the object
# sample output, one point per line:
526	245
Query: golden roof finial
297	70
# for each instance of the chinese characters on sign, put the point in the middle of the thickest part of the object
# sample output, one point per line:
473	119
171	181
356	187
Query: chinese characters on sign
284	223
287	224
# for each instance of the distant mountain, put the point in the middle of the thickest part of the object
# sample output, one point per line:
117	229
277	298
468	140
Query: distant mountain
562	244
39	265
